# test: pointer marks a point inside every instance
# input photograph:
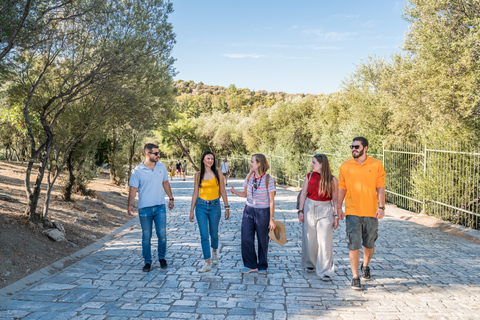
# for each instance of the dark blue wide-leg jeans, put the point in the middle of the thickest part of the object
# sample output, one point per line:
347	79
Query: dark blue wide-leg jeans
255	221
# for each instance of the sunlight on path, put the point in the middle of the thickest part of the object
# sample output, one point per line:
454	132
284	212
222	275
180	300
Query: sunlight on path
418	273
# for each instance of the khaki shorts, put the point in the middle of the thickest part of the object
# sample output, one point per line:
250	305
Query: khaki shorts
361	231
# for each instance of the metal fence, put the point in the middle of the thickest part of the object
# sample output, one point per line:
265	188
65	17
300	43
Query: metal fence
440	180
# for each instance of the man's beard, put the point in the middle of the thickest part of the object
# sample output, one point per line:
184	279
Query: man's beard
359	154
153	159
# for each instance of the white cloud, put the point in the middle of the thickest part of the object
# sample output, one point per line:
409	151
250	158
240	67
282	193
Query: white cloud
326	48
243	55
337	36
332	36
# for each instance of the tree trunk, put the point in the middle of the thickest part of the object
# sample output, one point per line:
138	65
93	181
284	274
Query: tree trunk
113	170
186	154
32	197
50	184
130	158
67	194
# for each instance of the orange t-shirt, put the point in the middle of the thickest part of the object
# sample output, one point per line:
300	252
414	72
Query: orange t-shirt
360	181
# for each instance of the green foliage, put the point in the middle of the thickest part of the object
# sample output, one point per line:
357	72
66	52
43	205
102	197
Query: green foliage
103	151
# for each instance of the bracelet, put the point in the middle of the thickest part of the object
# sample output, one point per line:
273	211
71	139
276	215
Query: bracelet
300	211
272	218
227	207
172	199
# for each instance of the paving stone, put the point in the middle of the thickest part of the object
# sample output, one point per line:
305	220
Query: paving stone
418	273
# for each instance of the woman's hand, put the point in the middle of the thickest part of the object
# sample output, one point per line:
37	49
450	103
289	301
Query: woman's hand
232	190
227	214
300	217
335	223
272	224
192	216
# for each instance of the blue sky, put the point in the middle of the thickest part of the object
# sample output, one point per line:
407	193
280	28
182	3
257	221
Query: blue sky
290	46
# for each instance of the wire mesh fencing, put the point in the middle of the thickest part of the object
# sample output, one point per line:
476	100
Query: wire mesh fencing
440	179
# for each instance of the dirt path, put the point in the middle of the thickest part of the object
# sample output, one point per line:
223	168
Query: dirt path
24	248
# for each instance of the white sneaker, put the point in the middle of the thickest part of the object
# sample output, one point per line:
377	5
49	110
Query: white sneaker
206	267
214	258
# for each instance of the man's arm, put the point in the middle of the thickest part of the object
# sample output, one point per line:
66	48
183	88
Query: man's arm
341	197
168	191
381	203
131	197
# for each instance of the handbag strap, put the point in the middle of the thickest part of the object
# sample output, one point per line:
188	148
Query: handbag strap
311	174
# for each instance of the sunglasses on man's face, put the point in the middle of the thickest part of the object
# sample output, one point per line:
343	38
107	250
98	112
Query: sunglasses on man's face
155	153
355	147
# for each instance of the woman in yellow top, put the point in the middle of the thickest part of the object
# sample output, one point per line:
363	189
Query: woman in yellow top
209	186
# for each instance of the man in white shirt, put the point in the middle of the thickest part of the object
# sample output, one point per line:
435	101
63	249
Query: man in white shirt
150	178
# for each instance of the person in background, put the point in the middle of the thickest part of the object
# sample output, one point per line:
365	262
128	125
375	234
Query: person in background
258	215
150	178
206	204
318	203
178	166
225	169
184	169
171	170
362	186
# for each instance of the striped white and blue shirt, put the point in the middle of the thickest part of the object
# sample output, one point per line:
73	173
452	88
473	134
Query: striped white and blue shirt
258	198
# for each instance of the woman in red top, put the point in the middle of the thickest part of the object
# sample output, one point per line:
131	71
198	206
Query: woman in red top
318	203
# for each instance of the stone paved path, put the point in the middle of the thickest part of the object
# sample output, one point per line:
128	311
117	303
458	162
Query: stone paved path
419	273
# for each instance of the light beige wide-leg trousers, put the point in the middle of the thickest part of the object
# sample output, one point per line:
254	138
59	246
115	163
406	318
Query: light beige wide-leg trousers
317	237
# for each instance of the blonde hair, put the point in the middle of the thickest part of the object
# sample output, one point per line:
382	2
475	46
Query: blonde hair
325	186
264	166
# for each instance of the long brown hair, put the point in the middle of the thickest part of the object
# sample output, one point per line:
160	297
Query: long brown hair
202	168
325	187
264	166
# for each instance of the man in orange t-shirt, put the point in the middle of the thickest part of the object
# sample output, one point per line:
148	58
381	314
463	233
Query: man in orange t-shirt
362	186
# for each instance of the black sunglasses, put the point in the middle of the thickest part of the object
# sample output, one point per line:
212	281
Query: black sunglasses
354	147
155	153
255	183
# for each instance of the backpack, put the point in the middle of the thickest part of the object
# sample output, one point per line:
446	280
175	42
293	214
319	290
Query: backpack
267	180
300	193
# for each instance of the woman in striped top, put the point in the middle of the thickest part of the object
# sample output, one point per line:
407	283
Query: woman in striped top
206	204
318	203
258	215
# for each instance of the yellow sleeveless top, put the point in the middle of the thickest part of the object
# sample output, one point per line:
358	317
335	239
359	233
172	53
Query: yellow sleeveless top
209	189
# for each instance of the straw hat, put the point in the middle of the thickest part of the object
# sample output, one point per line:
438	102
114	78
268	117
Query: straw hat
278	234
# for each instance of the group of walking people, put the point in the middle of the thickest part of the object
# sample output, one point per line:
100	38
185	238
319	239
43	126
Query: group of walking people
361	184
178	169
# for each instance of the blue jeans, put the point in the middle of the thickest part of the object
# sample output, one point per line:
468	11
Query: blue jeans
208	214
255	221
148	215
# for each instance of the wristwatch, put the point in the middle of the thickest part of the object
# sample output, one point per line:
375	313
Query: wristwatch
171	199
383	208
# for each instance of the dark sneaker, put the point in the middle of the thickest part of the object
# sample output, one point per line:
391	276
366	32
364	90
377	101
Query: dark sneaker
366	273
356	285
146	267
163	263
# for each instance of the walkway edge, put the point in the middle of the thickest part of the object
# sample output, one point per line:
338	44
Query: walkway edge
51	269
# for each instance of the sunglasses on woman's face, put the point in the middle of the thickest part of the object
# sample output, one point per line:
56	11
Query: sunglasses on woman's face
355	147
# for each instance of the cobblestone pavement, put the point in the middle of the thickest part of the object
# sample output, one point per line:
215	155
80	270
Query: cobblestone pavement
419	273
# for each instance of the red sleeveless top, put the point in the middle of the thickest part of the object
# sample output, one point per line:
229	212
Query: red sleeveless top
313	188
